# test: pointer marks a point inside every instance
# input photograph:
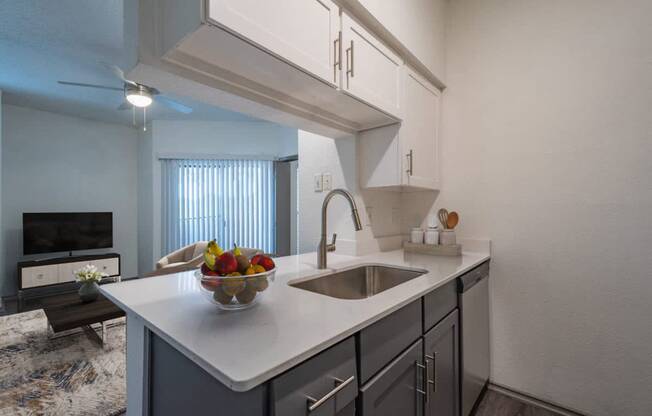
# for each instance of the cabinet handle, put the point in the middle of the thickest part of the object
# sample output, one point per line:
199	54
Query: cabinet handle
410	158
313	404
432	382
350	70
434	371
337	55
419	366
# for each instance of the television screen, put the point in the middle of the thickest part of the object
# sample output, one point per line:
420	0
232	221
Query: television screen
66	231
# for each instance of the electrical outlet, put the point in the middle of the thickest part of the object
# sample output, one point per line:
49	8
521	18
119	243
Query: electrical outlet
327	180
319	183
370	215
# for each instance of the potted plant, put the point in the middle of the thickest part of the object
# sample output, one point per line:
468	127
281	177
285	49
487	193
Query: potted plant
89	277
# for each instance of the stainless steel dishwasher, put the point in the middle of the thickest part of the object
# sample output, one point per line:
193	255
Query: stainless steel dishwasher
474	359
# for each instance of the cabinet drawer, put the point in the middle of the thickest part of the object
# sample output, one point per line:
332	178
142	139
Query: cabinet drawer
67	270
384	340
316	378
394	390
439	303
109	266
39	276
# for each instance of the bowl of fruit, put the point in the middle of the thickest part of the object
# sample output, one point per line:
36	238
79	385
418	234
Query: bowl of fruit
232	280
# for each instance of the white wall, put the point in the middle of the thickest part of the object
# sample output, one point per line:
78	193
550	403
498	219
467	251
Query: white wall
547	150
146	254
52	162
197	139
318	155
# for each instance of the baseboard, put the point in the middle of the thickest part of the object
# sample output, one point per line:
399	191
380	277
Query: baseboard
533	401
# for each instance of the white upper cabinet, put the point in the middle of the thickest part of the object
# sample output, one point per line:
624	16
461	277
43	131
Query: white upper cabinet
279	60
302	32
406	155
418	25
419	132
371	71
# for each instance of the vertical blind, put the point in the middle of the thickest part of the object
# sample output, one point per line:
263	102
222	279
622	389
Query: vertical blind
232	201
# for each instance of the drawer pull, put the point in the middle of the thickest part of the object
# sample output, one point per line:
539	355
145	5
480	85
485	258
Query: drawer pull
313	404
434	372
418	390
39	275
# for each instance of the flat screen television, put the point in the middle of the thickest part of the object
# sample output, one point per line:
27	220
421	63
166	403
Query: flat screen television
52	232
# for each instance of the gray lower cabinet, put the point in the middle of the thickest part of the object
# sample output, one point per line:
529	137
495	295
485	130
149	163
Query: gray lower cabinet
178	386
441	351
395	390
324	385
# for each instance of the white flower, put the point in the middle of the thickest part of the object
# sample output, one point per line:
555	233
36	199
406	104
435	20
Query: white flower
89	273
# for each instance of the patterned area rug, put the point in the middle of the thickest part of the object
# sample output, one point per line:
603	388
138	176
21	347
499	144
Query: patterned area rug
71	375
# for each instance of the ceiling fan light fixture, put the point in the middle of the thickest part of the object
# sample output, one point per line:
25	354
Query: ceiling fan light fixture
138	96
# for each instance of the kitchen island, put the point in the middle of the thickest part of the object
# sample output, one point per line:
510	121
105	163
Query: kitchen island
242	351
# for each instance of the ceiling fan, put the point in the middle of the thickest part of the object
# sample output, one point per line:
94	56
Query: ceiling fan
136	95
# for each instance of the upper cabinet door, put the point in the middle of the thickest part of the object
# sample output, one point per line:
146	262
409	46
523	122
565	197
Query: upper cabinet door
419	132
304	33
371	71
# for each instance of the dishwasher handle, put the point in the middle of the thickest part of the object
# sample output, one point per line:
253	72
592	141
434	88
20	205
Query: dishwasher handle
475	276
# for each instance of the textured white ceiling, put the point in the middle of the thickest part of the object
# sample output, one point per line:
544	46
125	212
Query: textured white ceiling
42	41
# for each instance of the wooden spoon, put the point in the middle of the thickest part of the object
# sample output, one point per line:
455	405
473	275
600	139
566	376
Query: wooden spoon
443	217
453	220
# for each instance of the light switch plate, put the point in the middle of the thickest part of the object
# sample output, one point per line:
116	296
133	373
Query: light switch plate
327	181
319	183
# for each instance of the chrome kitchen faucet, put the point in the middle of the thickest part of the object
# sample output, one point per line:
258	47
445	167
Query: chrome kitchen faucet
325	247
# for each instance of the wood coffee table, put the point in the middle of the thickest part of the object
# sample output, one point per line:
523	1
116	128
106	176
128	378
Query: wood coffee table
67	312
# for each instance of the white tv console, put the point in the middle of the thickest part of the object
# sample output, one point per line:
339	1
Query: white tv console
57	274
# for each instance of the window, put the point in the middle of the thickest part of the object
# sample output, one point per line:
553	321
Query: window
232	201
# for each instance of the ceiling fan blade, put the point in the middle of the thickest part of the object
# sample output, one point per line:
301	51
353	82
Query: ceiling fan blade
117	72
173	104
125	106
81	84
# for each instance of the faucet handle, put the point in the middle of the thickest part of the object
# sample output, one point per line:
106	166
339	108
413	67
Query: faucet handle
331	246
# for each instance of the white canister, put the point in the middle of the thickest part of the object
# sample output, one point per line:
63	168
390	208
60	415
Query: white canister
432	236
416	235
447	238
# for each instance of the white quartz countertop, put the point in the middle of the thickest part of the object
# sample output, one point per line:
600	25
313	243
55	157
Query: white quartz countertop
243	349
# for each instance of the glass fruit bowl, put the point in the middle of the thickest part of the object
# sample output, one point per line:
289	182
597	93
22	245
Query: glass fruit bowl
234	292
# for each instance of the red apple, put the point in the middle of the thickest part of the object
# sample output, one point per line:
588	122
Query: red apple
226	264
255	259
266	262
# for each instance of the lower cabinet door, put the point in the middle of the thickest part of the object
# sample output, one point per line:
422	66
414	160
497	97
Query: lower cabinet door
396	389
441	351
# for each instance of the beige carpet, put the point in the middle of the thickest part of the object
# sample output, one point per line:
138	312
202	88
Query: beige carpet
72	375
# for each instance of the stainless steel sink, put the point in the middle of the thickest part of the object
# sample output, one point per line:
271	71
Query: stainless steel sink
360	282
